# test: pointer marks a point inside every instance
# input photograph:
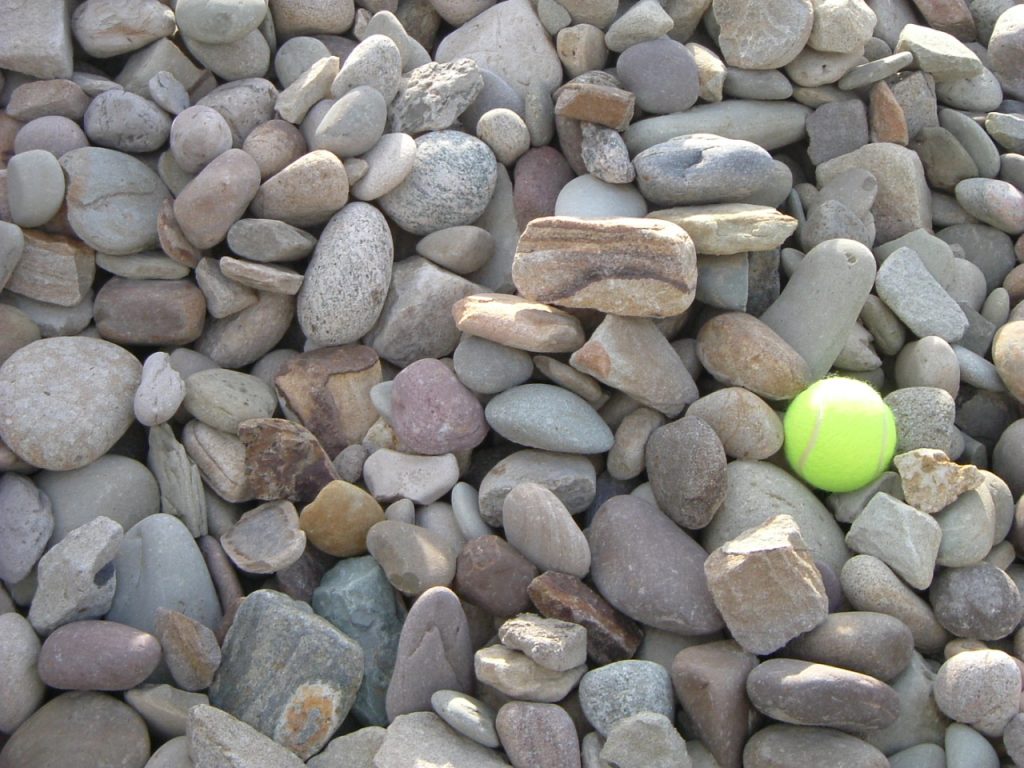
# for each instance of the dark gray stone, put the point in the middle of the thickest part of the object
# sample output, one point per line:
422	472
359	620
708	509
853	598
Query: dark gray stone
287	672
357	598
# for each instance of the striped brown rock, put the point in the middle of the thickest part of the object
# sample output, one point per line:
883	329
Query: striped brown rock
518	323
623	266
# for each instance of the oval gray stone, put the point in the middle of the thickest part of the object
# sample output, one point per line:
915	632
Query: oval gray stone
625	688
348	277
113	200
549	418
451	183
65	401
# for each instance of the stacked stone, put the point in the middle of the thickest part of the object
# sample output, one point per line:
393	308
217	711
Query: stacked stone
396	382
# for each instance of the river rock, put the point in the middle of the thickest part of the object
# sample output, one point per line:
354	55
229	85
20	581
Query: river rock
266	539
97	656
682	605
307	192
492	575
518	323
23	691
26	522
419	736
451	183
549	418
432	412
700	169
349	592
390	475
537	523
79	728
434	653
690	501
158	566
304	697
94	389
414	558
976	688
872	643
556	262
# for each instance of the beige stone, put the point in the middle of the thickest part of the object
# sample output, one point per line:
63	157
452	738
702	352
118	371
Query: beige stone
746	424
54	269
329	390
622	266
931	481
338	519
516	675
306	192
738	349
766	585
728	228
631	355
1008	356
518	323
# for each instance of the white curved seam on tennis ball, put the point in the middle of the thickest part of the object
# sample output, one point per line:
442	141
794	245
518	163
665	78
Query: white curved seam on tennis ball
812	439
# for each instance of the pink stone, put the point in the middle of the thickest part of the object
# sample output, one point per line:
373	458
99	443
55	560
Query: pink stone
432	412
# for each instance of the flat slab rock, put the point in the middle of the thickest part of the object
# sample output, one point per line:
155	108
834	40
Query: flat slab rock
623	266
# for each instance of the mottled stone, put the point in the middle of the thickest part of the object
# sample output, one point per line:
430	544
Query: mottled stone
328	389
190	649
539	735
977	601
356	597
284	460
739	349
690	500
978	688
930	481
26	522
21	690
766	585
303	697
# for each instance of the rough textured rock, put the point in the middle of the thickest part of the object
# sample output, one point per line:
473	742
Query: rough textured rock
287	672
766	585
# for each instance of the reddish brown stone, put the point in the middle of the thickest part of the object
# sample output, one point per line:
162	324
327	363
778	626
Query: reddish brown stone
540	175
885	116
611	635
284	460
150	312
433	413
601	104
492	575
189	647
710	682
329	390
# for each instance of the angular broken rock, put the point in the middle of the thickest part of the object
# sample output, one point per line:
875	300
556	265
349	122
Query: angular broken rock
622	266
283	460
329	390
611	635
766	585
432	96
52	268
518	323
217	738
728	228
931	481
265	539
902	537
593	103
287	672
516	675
76	578
554	644
630	354
181	485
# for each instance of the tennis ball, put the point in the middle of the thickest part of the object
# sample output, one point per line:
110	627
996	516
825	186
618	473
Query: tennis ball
839	434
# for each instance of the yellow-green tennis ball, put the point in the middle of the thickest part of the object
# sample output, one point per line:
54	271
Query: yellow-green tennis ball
840	434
